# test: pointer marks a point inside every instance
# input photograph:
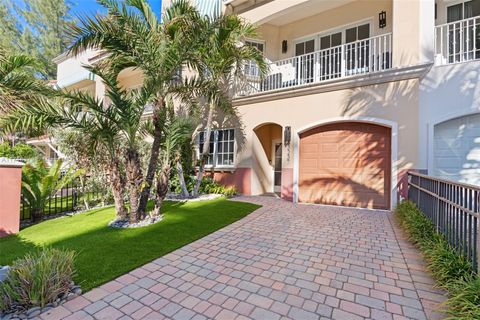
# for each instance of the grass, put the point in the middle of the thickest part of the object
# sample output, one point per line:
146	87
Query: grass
452	272
104	253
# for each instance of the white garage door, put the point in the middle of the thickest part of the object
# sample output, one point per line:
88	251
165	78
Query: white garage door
457	149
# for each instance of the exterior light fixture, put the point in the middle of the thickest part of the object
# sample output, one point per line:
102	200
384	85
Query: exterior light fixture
284	46
287	135
382	19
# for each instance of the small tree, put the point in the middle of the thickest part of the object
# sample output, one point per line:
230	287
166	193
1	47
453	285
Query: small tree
39	183
223	58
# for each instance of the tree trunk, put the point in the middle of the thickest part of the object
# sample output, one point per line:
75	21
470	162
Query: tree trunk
117	184
36	215
181	180
82	187
204	154
134	175
154	154
162	190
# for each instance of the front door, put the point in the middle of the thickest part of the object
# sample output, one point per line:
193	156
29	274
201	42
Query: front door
277	169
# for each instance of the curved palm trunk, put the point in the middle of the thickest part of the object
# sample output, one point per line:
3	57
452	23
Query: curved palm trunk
181	179
117	184
154	154
162	190
134	182
204	154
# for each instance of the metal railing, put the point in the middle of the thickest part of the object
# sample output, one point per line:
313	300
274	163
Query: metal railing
70	198
457	41
453	208
364	56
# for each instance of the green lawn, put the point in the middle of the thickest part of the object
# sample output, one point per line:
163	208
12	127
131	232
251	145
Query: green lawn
104	253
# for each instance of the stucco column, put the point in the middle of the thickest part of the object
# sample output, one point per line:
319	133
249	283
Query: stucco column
10	186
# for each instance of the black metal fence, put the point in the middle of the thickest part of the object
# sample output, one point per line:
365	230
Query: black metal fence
454	210
70	198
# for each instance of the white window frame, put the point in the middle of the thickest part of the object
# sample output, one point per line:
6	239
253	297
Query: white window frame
341	28
252	64
215	149
454	3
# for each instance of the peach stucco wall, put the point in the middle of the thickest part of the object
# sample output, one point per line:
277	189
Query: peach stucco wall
396	102
10	184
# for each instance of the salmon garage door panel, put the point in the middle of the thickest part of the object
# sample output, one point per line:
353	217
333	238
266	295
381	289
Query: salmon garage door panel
346	164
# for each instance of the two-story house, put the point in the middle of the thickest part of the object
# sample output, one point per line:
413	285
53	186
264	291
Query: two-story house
358	92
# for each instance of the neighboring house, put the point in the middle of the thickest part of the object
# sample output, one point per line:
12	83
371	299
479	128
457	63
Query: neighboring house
359	92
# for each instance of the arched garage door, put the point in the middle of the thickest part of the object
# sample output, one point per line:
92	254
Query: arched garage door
456	149
347	163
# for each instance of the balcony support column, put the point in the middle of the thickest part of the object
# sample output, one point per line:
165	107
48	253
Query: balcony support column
413	32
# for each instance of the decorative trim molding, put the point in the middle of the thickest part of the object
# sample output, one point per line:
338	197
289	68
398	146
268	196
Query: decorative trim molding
395	74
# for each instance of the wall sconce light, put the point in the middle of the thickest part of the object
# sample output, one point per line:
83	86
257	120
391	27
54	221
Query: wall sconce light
287	135
284	46
382	19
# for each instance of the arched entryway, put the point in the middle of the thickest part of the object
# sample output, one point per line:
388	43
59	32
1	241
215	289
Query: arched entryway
346	163
269	157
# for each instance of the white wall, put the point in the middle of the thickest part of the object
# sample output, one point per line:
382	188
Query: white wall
446	92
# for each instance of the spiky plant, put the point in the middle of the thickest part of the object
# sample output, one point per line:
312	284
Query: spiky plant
40	182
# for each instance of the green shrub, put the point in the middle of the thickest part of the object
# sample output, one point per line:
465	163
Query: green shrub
19	151
37	279
208	185
452	271
464	302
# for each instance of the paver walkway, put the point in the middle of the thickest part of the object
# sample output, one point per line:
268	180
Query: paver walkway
282	261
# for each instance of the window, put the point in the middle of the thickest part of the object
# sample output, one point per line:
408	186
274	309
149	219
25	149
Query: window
221	149
251	68
464	10
463	35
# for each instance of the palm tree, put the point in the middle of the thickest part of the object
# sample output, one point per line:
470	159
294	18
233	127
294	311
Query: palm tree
111	124
39	183
132	32
223	57
177	130
16	80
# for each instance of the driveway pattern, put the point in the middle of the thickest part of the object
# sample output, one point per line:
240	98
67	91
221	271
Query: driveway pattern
283	261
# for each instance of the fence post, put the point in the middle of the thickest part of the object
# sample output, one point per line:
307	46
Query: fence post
476	209
10	186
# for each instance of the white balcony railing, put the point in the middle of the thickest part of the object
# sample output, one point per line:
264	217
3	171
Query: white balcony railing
457	41
360	57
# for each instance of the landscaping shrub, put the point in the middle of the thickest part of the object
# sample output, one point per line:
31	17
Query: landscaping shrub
208	186
37	279
19	151
452	271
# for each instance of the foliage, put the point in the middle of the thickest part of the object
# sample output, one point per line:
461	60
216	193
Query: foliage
37	279
208	186
452	272
40	182
19	151
222	58
17	81
104	254
37	28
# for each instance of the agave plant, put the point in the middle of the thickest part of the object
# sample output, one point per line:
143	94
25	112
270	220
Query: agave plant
40	182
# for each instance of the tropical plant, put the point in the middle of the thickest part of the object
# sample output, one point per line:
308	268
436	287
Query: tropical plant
177	130
37	28
17	80
223	58
160	50
18	151
37	279
40	182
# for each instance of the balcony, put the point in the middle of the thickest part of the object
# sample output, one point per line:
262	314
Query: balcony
347	60
457	41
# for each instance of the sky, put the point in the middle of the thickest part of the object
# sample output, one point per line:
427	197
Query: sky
91	6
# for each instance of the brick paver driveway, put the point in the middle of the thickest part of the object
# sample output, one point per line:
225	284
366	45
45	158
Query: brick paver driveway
282	261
